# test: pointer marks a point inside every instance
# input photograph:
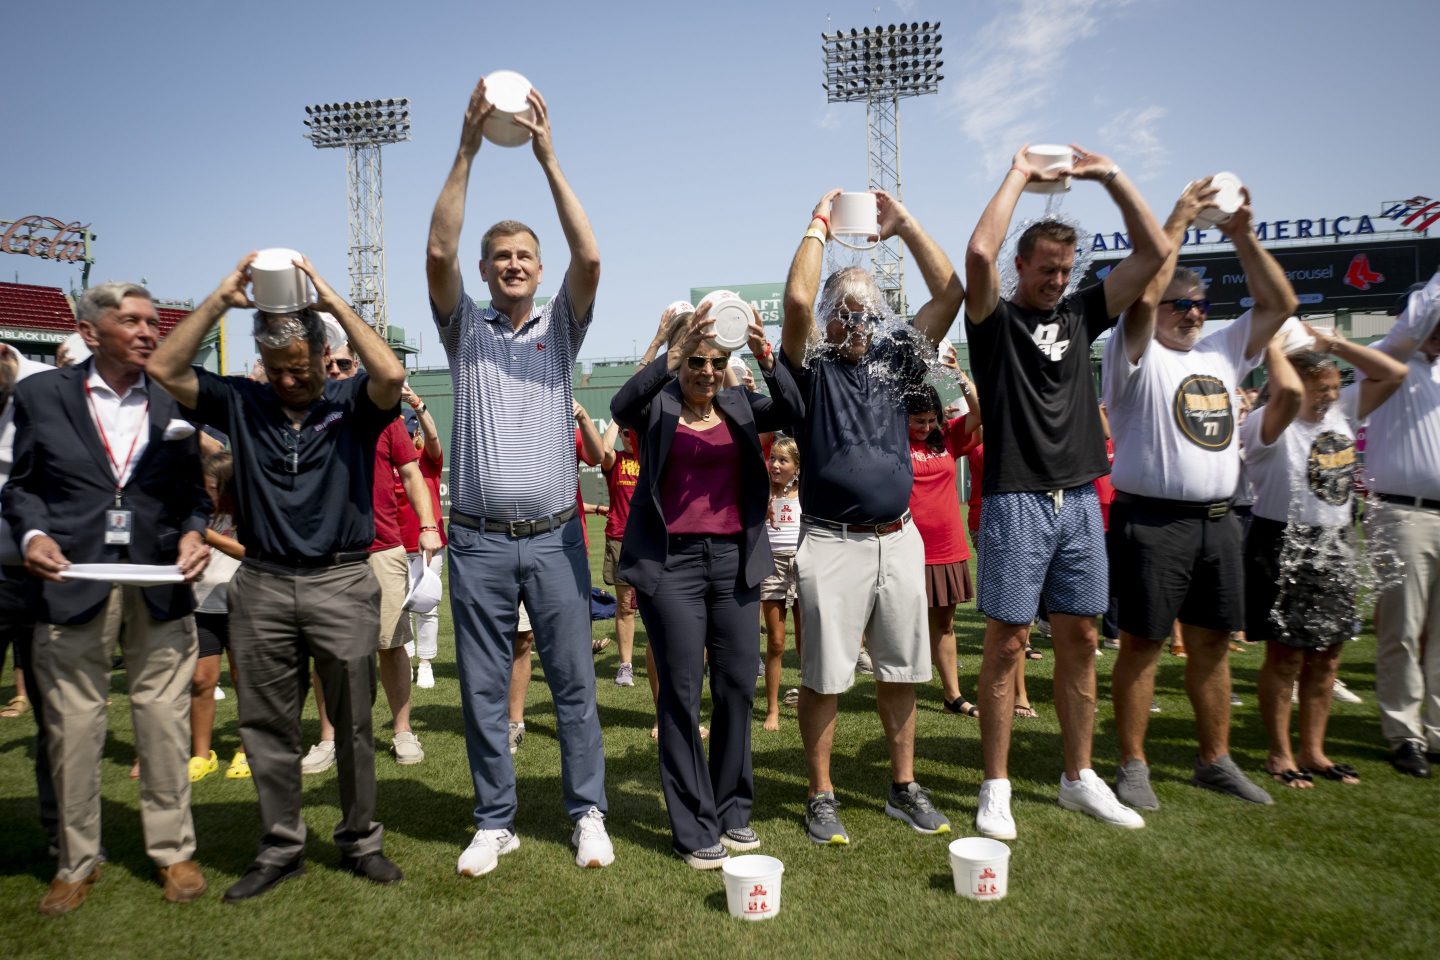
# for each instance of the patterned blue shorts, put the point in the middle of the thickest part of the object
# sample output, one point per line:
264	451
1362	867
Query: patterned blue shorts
1036	543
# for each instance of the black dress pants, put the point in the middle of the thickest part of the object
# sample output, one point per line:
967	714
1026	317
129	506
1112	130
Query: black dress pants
701	607
17	629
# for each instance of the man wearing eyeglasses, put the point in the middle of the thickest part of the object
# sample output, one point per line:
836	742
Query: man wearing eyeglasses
340	363
304	470
1175	545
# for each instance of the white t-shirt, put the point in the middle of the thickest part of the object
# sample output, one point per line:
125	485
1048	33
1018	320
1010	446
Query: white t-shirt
1172	415
1308	474
212	589
784	527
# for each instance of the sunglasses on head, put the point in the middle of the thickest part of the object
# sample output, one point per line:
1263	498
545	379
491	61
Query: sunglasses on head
1184	304
698	363
340	364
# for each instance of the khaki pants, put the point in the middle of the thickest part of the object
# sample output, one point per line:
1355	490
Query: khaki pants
72	673
1404	544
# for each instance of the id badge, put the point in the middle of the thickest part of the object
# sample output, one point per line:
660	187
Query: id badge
118	525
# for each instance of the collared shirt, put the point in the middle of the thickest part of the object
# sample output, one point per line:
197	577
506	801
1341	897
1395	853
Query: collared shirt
9	552
512	450
302	493
1402	436
122	422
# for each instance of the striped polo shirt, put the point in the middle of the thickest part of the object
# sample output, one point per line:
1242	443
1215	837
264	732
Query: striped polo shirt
512	447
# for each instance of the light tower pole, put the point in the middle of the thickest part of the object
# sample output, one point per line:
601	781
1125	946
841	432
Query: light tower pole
879	66
362	127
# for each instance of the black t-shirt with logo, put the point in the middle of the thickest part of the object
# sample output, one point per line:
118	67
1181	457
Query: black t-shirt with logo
1032	370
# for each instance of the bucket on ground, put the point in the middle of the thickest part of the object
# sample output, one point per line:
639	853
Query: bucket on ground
752	886
981	867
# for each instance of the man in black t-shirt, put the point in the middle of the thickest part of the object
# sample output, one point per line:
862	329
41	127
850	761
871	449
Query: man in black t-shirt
860	563
1040	528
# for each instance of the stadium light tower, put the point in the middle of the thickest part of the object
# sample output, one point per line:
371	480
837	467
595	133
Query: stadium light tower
880	66
362	127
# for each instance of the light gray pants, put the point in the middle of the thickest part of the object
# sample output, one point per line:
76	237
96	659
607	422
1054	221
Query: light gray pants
1404	544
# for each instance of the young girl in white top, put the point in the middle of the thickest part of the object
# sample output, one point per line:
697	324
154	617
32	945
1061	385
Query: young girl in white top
1299	556
777	593
212	622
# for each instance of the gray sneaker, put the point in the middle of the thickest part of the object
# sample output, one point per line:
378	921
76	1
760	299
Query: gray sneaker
914	807
625	675
711	858
1132	785
863	664
1223	776
516	736
821	821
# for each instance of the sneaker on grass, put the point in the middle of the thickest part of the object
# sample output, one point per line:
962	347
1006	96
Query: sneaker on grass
1090	795
1223	776
992	817
516	736
912	804
485	850
406	747
712	857
591	842
425	675
1132	785
822	822
740	838
1341	692
625	675
320	758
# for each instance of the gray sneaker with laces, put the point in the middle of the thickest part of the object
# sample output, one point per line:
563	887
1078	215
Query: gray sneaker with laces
913	806
822	822
1223	776
711	858
1132	785
516	736
740	838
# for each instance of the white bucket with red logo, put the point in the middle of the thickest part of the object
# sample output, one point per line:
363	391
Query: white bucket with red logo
752	886
981	867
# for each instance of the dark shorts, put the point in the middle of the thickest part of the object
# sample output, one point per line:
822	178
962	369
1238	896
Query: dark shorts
948	584
1299	584
1167	565
214	632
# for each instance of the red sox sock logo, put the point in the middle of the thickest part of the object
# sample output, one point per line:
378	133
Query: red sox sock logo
1360	276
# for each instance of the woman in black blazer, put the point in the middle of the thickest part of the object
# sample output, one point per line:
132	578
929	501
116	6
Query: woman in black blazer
695	551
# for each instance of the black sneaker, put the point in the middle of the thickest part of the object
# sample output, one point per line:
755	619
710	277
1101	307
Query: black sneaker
740	838
712	857
913	805
821	821
373	867
1408	758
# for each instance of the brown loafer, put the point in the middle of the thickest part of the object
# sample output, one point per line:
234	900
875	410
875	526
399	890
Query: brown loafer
183	881
64	896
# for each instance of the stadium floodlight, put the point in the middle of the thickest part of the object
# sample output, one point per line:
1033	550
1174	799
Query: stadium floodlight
878	68
362	128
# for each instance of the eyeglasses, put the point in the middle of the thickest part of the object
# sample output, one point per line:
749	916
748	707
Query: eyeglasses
1185	304
340	364
698	363
856	318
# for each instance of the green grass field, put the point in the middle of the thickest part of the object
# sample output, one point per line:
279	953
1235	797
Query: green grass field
1334	872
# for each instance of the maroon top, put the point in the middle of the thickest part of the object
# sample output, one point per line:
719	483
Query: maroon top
700	486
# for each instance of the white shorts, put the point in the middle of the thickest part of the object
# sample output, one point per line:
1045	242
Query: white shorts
854	585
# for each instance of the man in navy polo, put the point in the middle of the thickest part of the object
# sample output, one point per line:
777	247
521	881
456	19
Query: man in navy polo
515	535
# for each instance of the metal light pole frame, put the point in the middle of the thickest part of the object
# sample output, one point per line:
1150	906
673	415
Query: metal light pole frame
362	127
879	66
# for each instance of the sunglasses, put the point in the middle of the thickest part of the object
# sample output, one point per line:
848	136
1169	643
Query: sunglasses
1185	304
856	318
339	364
698	363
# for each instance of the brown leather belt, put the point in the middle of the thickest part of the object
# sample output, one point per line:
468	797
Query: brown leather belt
877	529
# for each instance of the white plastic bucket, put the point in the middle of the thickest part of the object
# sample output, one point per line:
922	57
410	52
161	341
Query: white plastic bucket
855	216
1050	158
1296	337
752	886
731	317
981	867
508	91
276	284
1227	200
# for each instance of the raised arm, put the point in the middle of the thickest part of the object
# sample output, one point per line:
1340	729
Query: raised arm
428	430
803	282
387	373
607	444
442	251
583	275
982	272
1286	390
1138	324
170	363
1383	373
593	451
1275	299
946	291
1149	248
1415	322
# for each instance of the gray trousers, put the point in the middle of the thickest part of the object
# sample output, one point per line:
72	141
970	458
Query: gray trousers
1404	544
278	622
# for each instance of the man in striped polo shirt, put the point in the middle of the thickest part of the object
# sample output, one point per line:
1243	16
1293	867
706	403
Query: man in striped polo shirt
514	531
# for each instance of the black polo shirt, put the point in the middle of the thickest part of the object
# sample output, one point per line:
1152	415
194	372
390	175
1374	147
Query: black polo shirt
300	493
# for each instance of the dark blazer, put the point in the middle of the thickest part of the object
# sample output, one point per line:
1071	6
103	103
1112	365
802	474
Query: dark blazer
62	484
650	404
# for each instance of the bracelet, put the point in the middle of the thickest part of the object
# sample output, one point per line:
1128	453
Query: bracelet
813	234
430	527
1109	178
420	408
822	218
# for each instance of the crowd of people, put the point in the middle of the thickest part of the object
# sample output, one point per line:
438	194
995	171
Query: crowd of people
298	505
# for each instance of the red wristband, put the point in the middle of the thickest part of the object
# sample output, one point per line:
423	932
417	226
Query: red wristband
768	351
822	218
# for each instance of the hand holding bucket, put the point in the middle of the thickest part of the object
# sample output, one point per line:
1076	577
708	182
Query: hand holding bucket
507	93
855	215
1046	167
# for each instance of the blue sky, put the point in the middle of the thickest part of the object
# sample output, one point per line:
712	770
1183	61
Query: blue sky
696	135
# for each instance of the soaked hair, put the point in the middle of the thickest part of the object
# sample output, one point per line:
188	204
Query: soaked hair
506	228
305	325
848	283
926	399
107	296
1311	363
1056	230
220	468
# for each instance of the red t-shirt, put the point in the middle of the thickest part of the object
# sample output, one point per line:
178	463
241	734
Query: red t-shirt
621	479
975	462
934	500
393	450
1104	489
409	522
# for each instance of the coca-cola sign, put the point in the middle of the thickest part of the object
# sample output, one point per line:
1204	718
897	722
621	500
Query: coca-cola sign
46	238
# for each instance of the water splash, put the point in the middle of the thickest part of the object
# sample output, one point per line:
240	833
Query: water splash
1084	252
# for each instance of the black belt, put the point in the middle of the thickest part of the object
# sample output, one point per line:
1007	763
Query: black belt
514	528
289	564
1212	510
1408	501
678	540
878	529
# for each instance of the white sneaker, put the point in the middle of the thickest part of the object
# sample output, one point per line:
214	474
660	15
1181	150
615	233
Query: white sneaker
591	842
425	675
515	736
406	747
320	758
993	818
1092	795
220	691
485	850
1341	692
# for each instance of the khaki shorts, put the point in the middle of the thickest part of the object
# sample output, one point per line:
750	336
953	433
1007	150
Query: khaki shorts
612	561
780	585
860	584
392	572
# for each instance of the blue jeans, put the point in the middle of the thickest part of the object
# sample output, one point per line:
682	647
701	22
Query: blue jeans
490	574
